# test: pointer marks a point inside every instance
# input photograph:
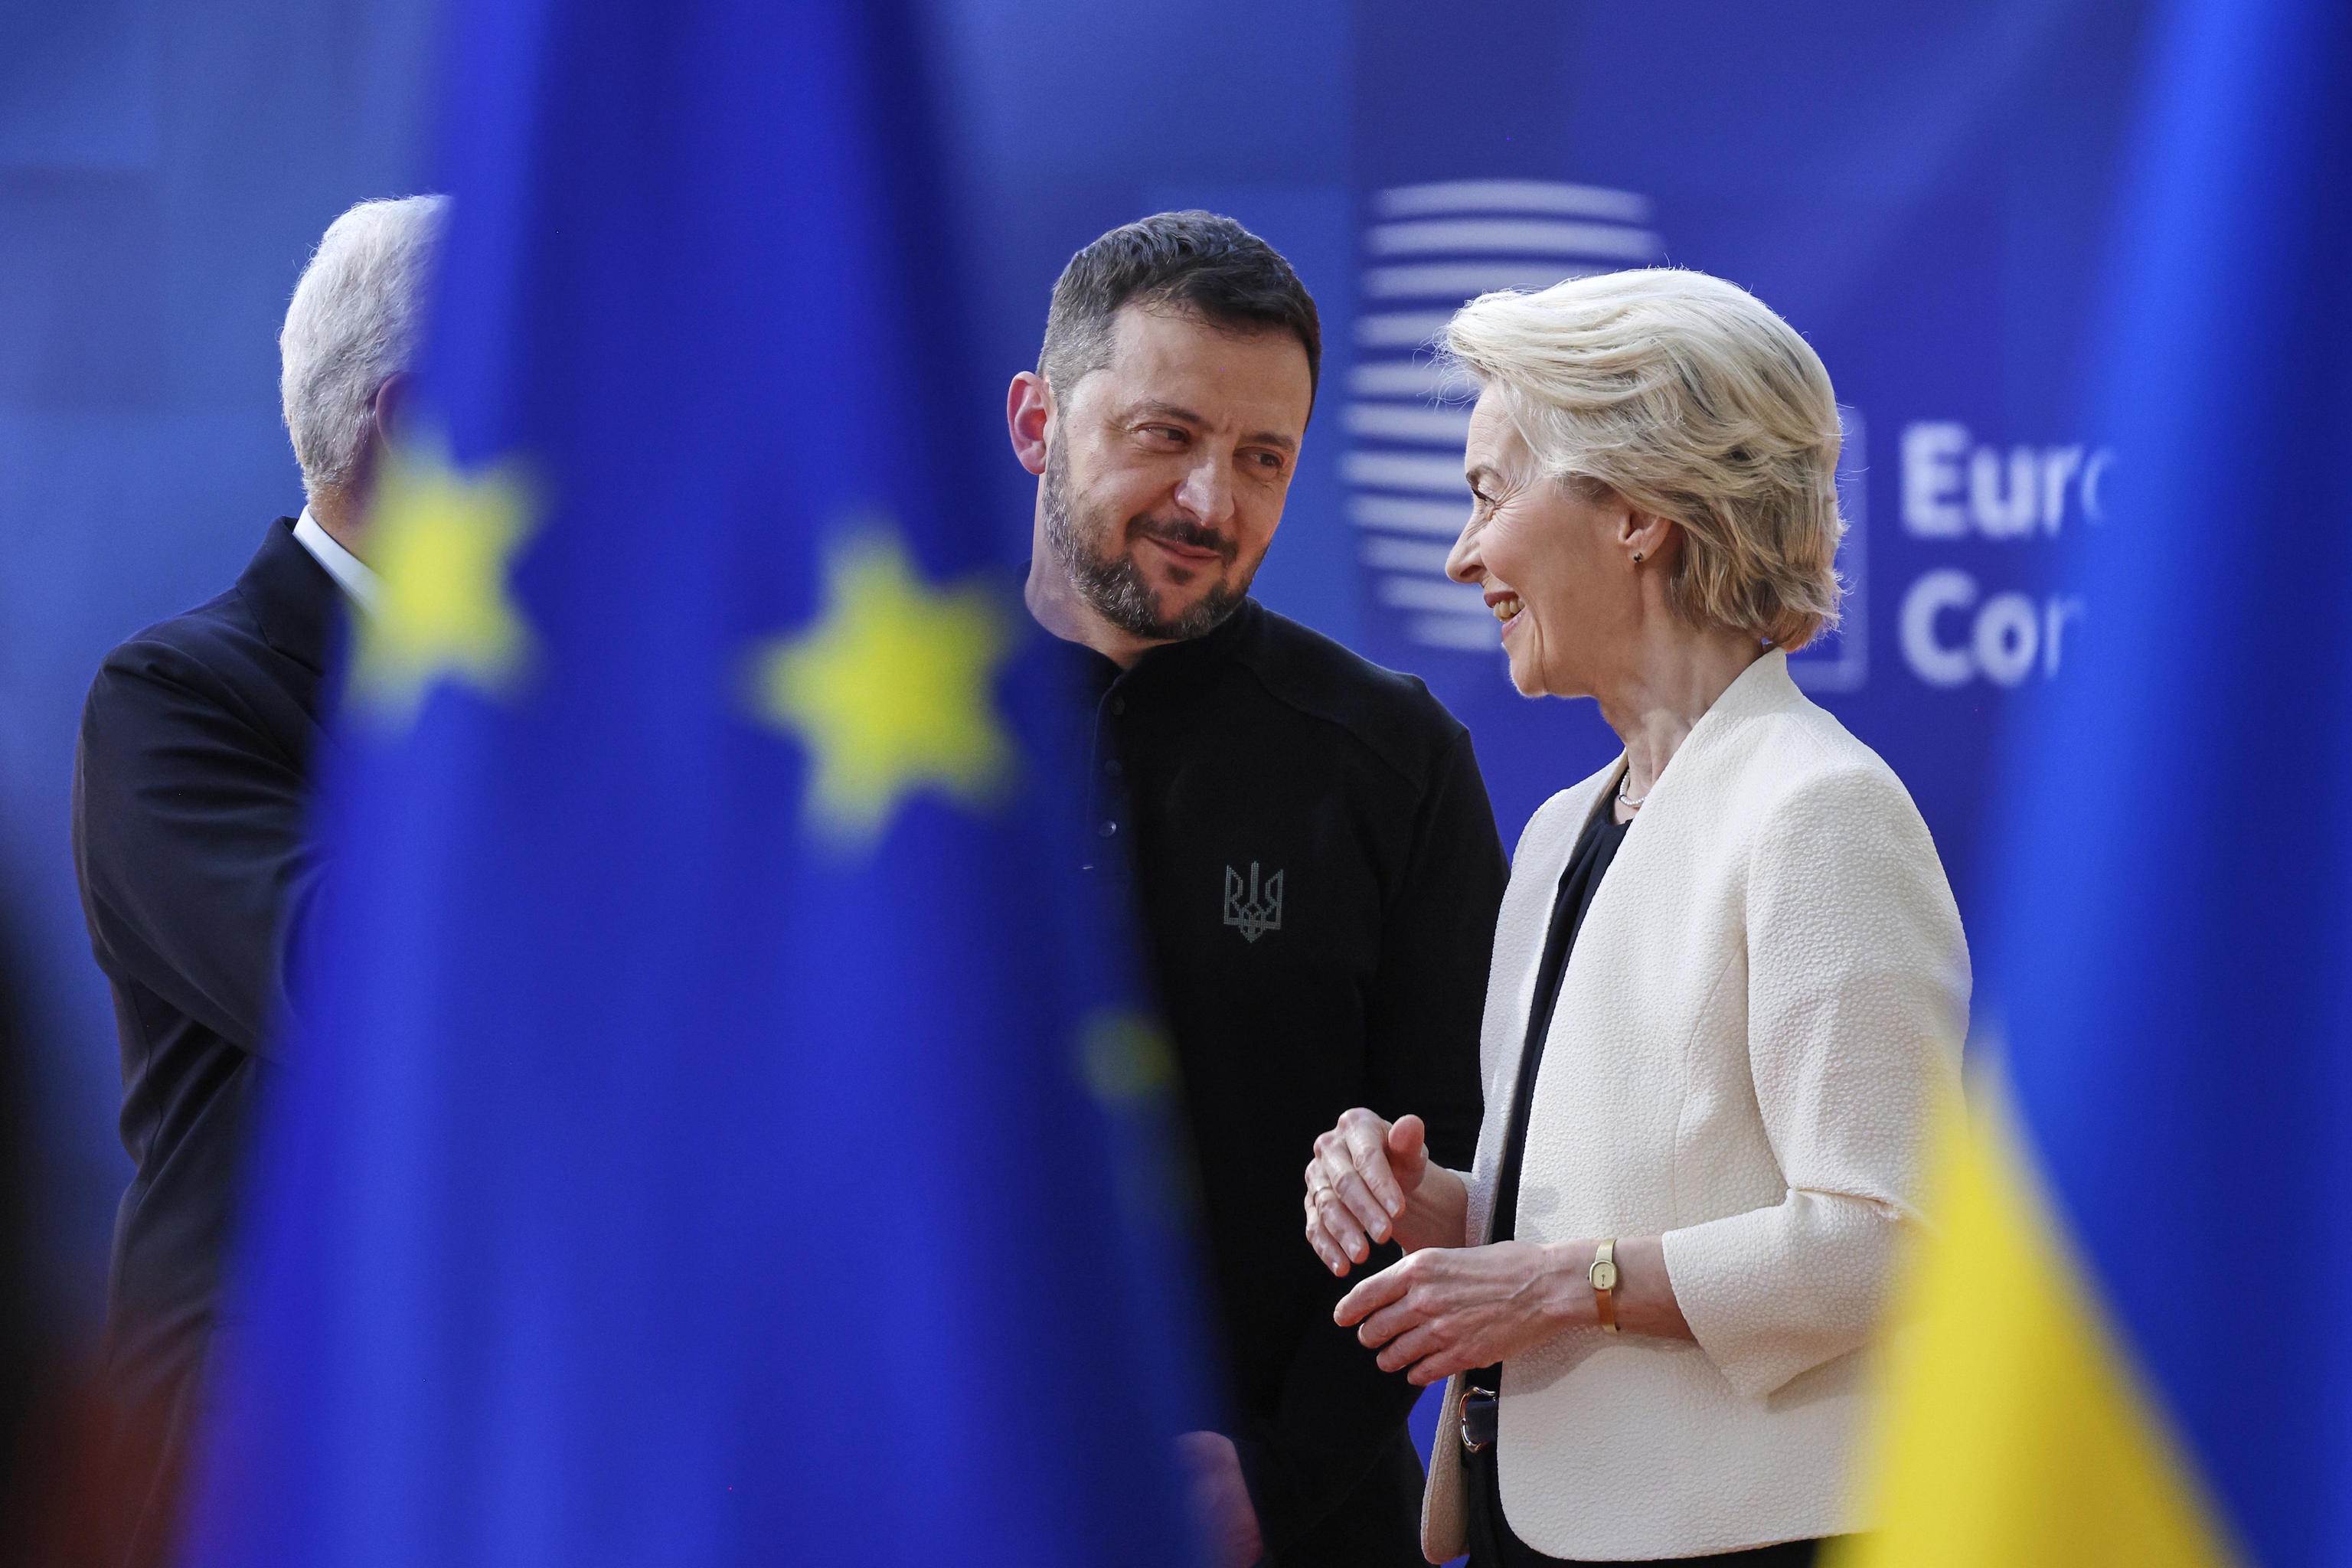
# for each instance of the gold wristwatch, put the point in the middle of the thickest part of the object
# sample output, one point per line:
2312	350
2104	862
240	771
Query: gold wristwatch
1603	1275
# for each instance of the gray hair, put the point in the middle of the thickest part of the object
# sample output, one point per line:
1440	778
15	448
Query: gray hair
354	324
1690	399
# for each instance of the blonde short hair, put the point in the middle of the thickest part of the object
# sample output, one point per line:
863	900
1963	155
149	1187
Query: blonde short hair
1690	399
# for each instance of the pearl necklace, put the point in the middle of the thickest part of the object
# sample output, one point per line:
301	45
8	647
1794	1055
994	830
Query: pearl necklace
1627	801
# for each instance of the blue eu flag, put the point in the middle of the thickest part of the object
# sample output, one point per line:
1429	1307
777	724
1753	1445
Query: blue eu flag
2131	1352
719	1135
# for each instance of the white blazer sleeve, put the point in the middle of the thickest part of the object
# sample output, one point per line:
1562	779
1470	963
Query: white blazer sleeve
1857	1003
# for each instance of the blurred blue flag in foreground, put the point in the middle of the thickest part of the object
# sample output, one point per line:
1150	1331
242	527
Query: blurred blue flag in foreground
719	1138
2134	1349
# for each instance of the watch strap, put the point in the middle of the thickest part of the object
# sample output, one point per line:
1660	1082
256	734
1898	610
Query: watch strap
1603	1278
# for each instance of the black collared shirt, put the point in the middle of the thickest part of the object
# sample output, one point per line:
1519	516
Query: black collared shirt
1317	874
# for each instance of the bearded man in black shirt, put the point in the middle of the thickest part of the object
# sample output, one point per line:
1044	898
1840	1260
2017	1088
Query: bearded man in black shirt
1314	860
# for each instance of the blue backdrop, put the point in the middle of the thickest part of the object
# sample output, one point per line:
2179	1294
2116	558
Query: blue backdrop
1924	189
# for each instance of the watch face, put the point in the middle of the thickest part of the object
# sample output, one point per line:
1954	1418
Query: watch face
1604	1276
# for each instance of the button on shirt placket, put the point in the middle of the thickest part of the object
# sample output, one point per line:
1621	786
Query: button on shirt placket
1107	797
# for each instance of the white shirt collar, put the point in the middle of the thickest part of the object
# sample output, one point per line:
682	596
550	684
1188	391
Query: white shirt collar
362	583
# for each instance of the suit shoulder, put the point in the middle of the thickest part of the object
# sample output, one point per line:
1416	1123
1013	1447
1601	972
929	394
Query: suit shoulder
1392	715
1823	779
223	626
1808	744
201	651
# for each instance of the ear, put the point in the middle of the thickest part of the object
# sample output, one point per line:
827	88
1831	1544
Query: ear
1646	535
1028	414
393	402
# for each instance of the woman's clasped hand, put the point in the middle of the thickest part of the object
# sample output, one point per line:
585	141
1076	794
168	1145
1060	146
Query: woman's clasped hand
1371	1181
1445	1310
1448	1306
1444	1307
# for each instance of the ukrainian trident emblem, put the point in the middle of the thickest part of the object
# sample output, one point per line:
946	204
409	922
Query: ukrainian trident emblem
1253	912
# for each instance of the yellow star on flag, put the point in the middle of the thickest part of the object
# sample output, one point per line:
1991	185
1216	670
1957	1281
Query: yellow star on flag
891	691
442	543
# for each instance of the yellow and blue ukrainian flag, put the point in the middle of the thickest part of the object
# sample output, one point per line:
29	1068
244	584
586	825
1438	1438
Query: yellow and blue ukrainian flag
717	1133
2133	1338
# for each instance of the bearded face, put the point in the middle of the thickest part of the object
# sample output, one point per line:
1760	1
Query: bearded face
1164	469
1096	547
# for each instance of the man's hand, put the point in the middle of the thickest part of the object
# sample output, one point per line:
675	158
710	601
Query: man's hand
1448	1310
1372	1179
1220	1499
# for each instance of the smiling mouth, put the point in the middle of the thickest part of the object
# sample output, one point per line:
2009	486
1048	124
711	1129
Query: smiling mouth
1506	606
1189	552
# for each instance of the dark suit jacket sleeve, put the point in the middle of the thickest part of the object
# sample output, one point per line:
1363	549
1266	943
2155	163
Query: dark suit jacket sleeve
1338	1409
189	835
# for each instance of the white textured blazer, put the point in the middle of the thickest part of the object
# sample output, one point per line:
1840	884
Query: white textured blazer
1761	1013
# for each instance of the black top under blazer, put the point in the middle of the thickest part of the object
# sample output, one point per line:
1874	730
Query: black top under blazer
191	799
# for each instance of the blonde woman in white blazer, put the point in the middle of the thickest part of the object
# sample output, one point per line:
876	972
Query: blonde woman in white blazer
1745	972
